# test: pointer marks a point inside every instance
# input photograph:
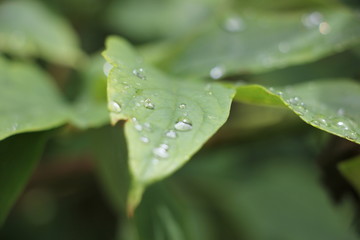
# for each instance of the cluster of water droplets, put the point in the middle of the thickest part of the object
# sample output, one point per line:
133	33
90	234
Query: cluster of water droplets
316	20
337	123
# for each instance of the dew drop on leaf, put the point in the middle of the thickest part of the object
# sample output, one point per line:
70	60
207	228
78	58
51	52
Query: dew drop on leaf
217	72
162	151
107	68
115	107
171	134
140	73
148	104
183	125
182	106
234	24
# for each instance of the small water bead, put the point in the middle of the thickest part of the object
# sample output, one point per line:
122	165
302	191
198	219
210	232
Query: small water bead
183	125
144	139
217	72
312	20
147	126
107	68
182	106
324	28
341	112
148	104
140	73
171	134
115	107
342	125
234	24
138	127
162	151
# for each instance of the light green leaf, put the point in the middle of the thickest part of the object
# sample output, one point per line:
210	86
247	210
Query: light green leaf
242	42
168	119
332	105
28	100
28	29
351	170
18	157
90	108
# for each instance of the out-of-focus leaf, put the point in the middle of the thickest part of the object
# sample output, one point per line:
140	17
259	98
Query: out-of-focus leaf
351	170
168	119
163	216
274	193
332	105
242	42
144	20
109	149
28	100
18	157
28	29
90	108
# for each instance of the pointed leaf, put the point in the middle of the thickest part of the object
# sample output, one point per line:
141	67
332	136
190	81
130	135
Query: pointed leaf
332	105
168	119
28	100
351	170
18	157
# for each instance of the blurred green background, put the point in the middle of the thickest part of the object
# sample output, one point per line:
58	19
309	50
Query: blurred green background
265	175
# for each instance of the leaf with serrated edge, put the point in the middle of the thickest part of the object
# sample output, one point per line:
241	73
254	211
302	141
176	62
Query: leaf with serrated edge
153	104
332	105
28	100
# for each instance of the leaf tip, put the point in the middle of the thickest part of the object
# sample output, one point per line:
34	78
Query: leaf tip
134	198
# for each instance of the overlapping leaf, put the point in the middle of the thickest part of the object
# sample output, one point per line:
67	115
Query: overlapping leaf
332	105
28	100
168	119
255	41
28	29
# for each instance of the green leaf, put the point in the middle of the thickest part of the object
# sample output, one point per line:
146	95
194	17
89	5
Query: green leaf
332	105
90	108
144	20
28	29
28	100
351	170
253	41
18	157
168	119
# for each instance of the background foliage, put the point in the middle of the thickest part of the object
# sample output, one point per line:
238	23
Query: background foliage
280	78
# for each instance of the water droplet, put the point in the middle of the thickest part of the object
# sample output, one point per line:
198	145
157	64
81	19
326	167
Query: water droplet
182	106
284	47
342	125
138	127
171	134
183	125
217	72
148	104
140	73
107	68
351	135
164	146
294	100
234	24
115	107
161	151
147	126
324	28
144	139
312	20
341	112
